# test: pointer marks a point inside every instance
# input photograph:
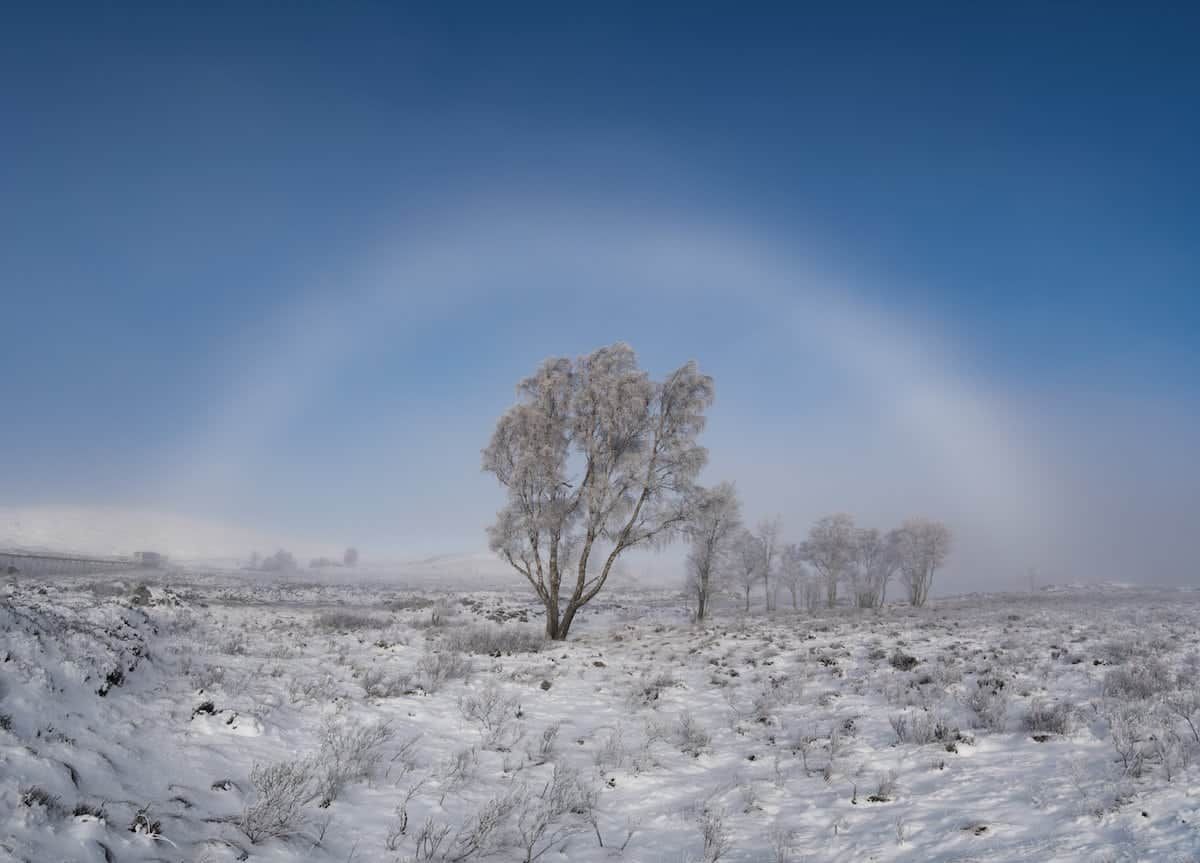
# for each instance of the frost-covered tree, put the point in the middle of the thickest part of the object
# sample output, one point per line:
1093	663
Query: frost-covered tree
922	545
715	521
280	561
830	550
745	563
876	559
887	564
792	571
596	458
868	546
350	557
767	534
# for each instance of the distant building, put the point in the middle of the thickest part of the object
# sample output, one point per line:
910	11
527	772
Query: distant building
149	559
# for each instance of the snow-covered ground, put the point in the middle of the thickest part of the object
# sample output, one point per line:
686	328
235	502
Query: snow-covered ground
220	717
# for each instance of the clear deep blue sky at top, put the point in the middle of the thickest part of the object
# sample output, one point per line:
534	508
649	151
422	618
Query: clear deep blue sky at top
171	174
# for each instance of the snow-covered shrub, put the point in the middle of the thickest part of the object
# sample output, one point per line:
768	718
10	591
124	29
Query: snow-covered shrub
36	796
346	621
408	603
494	640
281	791
715	834
989	706
1186	705
377	683
141	595
320	689
348	753
560	809
427	843
439	615
484	832
1048	717
459	768
436	668
233	645
89	810
1167	745
144	824
1128	729
784	845
1144	678
495	713
885	788
610	754
648	689
920	728
690	736
544	750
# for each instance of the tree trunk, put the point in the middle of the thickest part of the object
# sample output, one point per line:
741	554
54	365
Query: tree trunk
795	603
564	625
552	623
747	599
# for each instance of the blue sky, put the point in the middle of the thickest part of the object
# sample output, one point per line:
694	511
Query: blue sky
284	266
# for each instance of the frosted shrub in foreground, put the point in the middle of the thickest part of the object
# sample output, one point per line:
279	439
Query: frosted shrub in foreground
347	754
691	738
715	834
559	810
281	790
989	705
495	714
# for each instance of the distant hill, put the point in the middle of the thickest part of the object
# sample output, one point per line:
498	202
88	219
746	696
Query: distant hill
115	531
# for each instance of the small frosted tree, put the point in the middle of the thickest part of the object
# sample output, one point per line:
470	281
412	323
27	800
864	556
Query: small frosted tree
830	550
875	562
792	571
887	564
280	561
922	546
715	521
745	563
350	557
596	458
767	535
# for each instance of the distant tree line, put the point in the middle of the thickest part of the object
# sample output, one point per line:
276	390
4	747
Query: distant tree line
836	554
285	561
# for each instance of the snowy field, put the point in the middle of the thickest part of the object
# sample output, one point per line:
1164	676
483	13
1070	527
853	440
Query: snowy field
193	717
